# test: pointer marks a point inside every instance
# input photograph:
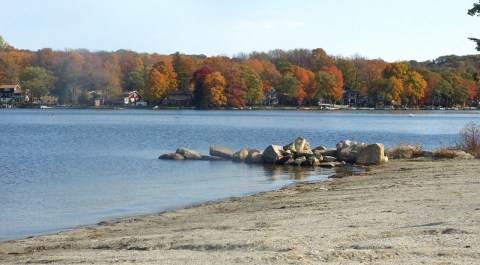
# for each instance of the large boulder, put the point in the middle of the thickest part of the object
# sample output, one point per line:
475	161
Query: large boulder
188	154
254	156
348	151
373	154
273	153
221	151
300	147
402	152
241	155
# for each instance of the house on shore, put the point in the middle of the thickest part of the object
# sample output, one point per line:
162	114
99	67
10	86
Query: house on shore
353	98
271	97
130	98
12	94
183	99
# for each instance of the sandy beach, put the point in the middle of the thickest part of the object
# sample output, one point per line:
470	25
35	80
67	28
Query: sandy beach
407	211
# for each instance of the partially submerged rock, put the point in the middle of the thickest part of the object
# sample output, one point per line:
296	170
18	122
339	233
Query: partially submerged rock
171	156
296	153
188	154
273	154
254	156
221	151
241	155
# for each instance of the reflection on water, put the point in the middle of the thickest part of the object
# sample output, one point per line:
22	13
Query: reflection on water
275	173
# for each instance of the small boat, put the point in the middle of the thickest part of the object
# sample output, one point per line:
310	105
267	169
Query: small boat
411	115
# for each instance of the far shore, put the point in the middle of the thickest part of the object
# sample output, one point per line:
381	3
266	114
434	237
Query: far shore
276	107
403	212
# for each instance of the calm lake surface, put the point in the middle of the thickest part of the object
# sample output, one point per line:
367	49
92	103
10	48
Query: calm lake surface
63	168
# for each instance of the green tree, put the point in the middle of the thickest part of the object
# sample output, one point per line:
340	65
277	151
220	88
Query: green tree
325	84
253	85
136	79
184	67
38	81
289	86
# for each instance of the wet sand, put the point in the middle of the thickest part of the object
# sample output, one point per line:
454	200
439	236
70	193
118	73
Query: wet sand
404	212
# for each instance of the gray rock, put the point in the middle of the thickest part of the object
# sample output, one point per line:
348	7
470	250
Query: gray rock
188	154
241	155
329	159
299	161
301	144
306	152
289	162
326	152
300	147
254	156
311	161
290	148
318	156
348	151
171	156
221	151
272	154
319	148
401	152
373	154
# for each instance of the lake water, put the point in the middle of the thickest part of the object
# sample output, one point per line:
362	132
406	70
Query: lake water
61	168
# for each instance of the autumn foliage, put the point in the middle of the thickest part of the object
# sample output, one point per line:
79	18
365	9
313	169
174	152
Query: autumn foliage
299	77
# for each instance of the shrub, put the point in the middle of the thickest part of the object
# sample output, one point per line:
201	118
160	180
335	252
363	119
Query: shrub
469	139
445	153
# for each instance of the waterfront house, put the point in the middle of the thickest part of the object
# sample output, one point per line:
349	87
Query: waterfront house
12	94
271	97
130	98
353	98
184	99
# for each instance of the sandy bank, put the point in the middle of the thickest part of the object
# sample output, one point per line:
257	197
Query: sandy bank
406	212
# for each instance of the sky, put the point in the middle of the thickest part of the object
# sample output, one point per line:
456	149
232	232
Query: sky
391	30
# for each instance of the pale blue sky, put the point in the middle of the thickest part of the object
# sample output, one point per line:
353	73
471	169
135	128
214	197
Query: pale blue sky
391	30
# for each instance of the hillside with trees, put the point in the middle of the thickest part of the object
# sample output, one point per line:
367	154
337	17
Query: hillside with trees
300	77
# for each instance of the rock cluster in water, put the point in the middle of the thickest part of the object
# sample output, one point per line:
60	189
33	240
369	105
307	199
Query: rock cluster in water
297	153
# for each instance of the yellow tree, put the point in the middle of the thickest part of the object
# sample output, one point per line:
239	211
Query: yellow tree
215	89
414	87
161	80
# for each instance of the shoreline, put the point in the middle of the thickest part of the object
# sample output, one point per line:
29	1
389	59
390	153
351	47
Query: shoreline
409	211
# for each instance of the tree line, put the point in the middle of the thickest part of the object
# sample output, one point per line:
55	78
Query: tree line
301	77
